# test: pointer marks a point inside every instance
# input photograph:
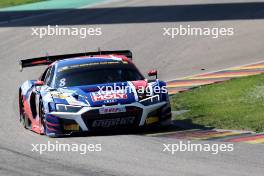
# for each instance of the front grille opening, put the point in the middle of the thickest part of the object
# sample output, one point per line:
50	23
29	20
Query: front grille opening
96	121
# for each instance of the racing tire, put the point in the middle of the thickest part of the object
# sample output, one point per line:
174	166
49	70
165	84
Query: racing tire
22	118
42	116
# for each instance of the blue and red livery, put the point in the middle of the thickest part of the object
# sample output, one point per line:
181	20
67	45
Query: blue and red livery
91	91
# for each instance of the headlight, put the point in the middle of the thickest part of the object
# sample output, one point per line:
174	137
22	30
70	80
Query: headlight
67	108
151	100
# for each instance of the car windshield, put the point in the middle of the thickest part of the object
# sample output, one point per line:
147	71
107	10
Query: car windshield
104	74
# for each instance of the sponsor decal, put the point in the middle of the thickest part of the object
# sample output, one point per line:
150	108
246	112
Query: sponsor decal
103	97
106	123
58	95
109	110
110	101
89	64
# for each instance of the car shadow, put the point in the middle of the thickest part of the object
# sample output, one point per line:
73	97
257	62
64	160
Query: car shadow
177	125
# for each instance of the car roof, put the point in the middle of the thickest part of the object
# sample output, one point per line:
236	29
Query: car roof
91	59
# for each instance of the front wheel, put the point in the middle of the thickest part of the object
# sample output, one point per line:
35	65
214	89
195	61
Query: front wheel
42	116
22	114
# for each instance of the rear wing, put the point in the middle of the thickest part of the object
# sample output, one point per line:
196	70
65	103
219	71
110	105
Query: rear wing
50	59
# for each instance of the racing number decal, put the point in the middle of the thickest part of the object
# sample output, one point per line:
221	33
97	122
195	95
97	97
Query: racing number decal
62	82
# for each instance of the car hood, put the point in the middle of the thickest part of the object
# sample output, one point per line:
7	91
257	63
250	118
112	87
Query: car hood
98	95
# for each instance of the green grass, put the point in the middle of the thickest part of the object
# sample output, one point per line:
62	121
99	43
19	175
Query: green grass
234	104
8	3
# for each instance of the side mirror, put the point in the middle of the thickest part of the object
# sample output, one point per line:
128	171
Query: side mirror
39	83
153	73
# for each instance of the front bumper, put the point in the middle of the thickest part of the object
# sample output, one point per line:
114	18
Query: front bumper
89	119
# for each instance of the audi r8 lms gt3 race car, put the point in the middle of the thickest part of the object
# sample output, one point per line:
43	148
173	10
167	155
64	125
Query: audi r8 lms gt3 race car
91	91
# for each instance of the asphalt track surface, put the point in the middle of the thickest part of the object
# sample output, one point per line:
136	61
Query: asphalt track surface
135	25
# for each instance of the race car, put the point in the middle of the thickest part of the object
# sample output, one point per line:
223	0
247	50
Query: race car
91	91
